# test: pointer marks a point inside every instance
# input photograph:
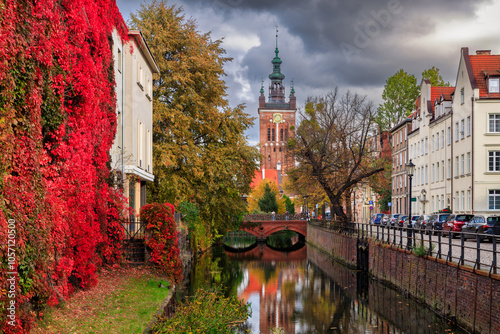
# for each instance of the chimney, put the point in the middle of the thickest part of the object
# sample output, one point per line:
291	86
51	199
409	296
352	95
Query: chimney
483	52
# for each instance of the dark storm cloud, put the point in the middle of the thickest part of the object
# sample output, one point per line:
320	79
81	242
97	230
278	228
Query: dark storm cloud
353	44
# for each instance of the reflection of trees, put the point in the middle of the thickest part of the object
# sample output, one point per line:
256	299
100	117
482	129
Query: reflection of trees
282	239
215	268
324	306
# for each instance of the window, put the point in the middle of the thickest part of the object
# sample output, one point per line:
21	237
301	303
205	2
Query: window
448	136
437	171
432	204
432	143
273	136
494	161
442	138
468	200
462	96
457	165
494	86
456	131
268	134
462	129
468	126
426	148
494	120
494	200
437	142
281	134
442	170
119	58
462	165
462	197
468	162
457	201
426	174
432	172
286	134
449	168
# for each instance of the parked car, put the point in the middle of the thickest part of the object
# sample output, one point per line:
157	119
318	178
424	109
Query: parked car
394	218
421	222
410	224
483	225
376	218
407	223
385	219
436	221
401	219
455	222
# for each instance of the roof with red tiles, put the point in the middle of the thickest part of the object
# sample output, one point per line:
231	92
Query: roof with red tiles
269	174
483	66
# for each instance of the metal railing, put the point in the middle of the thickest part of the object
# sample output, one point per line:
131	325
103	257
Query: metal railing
134	228
454	247
270	216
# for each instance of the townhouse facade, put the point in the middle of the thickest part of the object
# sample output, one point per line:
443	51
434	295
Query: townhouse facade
132	151
455	142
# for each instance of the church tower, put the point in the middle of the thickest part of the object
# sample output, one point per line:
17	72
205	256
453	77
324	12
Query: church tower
276	121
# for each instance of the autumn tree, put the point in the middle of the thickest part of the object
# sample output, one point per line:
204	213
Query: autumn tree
433	75
268	203
200	152
400	92
332	145
258	192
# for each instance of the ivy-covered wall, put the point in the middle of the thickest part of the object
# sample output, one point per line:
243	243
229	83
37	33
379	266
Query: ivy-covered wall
57	124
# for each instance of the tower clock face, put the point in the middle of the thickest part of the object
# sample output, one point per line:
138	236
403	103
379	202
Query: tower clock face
277	118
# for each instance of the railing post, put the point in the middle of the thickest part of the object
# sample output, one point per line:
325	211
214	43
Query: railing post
401	237
462	248
439	245
449	256
478	253
494	261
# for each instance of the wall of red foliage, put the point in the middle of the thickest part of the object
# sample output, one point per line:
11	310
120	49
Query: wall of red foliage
161	239
57	124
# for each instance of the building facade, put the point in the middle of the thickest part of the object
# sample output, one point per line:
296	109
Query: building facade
455	140
399	143
132	151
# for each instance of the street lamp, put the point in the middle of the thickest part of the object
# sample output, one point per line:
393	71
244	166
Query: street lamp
410	170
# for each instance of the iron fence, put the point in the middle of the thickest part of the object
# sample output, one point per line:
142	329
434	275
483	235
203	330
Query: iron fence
134	228
453	247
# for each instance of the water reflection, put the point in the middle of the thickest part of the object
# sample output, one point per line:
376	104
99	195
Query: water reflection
304	291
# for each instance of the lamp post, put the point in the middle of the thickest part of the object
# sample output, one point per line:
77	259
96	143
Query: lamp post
305	206
410	169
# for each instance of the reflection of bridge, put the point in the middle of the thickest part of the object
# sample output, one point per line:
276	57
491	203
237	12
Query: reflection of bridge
265	253
262	226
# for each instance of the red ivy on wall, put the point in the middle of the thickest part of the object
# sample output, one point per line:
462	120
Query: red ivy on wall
57	124
161	238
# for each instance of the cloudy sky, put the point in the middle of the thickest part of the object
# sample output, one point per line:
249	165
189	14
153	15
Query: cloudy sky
353	44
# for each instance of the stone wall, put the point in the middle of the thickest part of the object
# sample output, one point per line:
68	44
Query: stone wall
456	292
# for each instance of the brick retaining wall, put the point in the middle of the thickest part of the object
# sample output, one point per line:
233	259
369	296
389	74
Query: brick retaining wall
457	292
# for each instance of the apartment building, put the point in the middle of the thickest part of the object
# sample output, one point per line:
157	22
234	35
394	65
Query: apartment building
455	141
132	151
399	144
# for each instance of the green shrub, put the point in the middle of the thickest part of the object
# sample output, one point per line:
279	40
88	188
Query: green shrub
208	312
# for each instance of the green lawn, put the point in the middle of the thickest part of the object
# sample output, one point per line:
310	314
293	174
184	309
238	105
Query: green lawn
124	301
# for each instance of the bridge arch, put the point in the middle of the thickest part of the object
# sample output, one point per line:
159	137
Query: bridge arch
286	228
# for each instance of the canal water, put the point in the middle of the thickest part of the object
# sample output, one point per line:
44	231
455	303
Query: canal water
301	290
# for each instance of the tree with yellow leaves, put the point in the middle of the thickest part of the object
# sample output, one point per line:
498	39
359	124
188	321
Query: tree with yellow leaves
200	151
258	193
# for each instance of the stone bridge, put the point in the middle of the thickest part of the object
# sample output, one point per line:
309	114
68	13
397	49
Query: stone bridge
262	226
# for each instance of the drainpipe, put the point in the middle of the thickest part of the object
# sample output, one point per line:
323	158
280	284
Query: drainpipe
472	154
123	116
452	163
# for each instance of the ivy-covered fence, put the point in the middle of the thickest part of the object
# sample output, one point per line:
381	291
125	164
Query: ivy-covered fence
57	124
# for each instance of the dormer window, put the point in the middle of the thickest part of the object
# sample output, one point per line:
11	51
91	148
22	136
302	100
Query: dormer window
494	85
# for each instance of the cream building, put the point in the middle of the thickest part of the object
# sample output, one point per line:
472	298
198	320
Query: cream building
132	151
455	141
